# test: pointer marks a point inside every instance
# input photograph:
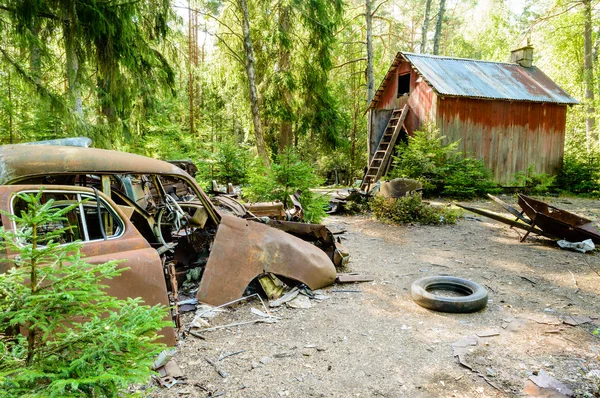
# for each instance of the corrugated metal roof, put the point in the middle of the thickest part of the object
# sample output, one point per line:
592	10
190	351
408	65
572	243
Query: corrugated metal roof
460	77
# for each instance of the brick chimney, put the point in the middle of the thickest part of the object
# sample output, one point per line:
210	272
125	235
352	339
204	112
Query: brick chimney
523	56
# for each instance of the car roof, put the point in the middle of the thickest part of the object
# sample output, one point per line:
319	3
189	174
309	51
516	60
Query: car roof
21	161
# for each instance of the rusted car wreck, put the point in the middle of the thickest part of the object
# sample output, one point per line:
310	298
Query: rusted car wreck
155	216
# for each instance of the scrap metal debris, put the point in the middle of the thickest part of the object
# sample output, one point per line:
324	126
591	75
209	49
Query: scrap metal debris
289	296
575	320
163	358
168	371
463	347
199	325
300	302
543	380
546	220
272	286
218	369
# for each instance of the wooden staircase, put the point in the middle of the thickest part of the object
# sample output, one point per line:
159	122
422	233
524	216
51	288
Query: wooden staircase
382	156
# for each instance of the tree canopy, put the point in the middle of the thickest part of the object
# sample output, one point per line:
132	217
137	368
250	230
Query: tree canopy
175	80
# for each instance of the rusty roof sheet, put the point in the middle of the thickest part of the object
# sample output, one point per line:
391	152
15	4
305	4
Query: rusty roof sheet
20	161
460	77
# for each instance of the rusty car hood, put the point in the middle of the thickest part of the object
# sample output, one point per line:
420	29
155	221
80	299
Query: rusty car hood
243	250
21	161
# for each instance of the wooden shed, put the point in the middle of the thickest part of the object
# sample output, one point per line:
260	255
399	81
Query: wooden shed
510	114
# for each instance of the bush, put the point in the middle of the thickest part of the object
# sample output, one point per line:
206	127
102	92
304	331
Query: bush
580	175
411	209
285	176
441	168
80	341
532	182
468	178
232	161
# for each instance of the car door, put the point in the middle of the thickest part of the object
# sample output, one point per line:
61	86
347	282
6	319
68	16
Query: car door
106	234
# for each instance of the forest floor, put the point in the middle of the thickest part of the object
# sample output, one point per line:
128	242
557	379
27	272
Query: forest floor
373	341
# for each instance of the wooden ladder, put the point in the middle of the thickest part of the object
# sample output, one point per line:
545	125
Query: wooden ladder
381	157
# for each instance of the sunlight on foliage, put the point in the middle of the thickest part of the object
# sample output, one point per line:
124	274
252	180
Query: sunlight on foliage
411	209
287	175
80	341
441	168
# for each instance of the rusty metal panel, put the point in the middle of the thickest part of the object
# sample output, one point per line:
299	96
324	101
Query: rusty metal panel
243	250
492	80
144	277
458	77
21	161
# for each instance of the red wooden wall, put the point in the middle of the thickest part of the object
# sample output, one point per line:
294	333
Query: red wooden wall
509	136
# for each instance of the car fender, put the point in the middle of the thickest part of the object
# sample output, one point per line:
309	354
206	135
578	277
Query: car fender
243	250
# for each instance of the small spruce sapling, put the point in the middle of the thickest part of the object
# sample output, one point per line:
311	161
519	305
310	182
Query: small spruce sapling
286	175
75	340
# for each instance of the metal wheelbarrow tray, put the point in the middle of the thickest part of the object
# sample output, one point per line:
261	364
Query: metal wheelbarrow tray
557	222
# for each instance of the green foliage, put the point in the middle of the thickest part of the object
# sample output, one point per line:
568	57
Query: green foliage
411	209
532	182
80	342
286	175
467	178
580	175
441	168
232	162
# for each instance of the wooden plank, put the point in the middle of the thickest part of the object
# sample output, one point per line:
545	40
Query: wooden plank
502	219
510	209
353	277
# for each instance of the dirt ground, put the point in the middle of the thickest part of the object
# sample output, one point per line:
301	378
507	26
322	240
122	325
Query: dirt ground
372	340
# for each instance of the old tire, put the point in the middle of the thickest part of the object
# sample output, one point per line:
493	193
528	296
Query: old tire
475	296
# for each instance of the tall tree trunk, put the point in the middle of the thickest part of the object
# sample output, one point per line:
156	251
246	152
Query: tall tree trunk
285	129
588	73
107	107
370	75
10	108
249	52
425	26
35	57
72	64
438	27
190	68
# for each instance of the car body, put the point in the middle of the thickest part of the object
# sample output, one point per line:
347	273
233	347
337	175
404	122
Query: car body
156	217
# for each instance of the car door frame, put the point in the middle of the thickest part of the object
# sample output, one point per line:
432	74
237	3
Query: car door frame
144	275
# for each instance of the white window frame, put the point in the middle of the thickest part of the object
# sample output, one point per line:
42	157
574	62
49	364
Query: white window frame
79	194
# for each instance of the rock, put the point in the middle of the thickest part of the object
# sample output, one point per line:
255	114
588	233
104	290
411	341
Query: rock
265	360
300	302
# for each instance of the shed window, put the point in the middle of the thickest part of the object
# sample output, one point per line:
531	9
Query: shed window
403	84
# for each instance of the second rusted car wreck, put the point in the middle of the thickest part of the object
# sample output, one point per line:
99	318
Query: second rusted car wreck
154	215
